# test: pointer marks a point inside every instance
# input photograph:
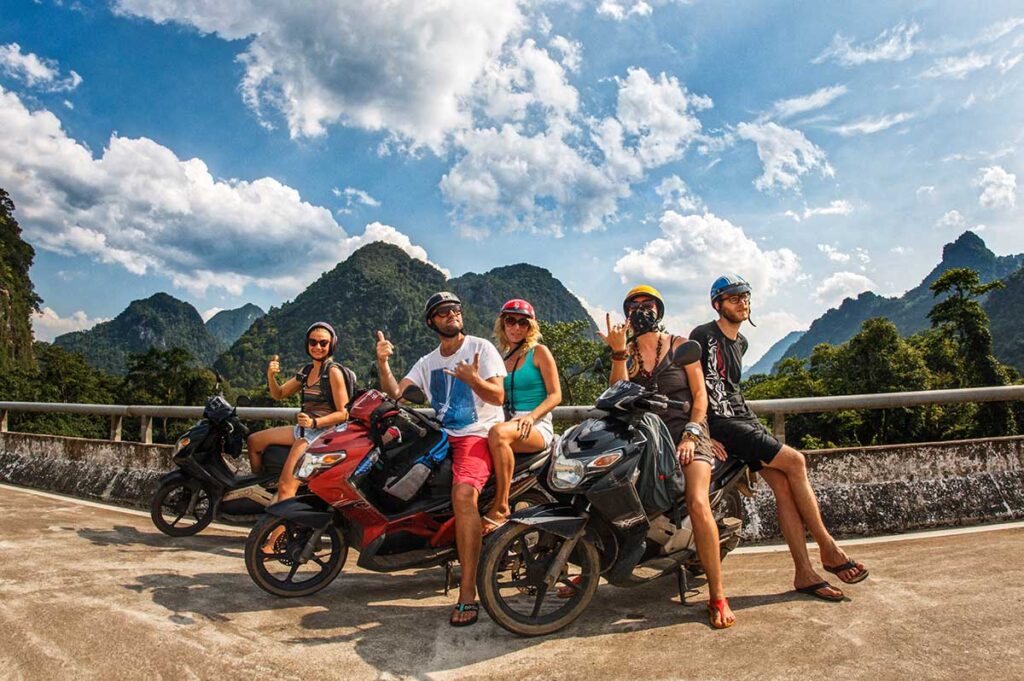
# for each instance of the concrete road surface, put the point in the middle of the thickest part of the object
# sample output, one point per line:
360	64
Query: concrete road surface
89	592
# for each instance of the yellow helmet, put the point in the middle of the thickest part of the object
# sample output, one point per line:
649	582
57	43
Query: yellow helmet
645	290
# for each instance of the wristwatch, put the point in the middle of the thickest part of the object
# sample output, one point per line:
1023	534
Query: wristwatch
692	430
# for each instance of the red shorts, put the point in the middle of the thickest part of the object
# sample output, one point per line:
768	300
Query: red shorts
471	460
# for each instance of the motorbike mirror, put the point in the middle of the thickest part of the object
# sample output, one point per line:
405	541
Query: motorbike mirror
415	395
243	401
687	353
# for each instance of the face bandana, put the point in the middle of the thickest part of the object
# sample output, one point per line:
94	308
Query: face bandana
643	320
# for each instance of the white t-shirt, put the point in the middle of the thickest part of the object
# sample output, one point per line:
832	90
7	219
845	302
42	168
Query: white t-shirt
460	410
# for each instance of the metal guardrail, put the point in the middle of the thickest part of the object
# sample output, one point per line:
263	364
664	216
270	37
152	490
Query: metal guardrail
777	409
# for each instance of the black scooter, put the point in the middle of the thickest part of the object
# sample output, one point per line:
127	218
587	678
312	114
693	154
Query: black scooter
204	488
540	571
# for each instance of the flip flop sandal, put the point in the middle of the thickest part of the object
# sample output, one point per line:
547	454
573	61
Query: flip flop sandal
490	524
465	607
566	591
848	565
815	590
718	608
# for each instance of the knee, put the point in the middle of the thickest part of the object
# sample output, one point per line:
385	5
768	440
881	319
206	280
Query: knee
464	498
699	507
501	434
791	461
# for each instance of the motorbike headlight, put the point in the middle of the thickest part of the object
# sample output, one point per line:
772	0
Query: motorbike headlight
182	442
566	474
311	463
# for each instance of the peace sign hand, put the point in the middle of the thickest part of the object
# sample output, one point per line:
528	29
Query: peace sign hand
466	371
384	348
616	336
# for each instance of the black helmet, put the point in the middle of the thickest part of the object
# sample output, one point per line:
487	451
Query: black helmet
434	301
329	329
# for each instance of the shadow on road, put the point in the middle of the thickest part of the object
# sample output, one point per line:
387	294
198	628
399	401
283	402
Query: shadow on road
125	535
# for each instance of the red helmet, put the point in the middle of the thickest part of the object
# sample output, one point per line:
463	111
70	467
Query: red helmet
518	306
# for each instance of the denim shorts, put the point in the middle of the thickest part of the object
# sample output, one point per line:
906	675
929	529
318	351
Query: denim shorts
310	434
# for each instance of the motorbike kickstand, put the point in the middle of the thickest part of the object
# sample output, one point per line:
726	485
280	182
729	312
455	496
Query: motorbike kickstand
447	576
683	585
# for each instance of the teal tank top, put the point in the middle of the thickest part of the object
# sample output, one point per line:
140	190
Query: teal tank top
529	390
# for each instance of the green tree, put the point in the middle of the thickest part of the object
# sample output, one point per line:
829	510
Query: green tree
18	298
961	316
577	357
166	377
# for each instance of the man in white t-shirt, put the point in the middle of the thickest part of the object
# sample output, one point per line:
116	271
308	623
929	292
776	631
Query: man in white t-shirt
463	379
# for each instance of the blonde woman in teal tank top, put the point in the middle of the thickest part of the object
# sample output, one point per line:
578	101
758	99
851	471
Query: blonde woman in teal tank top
532	390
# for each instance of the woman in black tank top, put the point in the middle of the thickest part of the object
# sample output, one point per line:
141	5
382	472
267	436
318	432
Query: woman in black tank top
324	396
640	352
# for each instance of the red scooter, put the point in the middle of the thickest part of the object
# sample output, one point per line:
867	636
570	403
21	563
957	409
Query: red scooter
381	482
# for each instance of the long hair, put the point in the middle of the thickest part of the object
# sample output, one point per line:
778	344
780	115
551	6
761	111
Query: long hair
532	338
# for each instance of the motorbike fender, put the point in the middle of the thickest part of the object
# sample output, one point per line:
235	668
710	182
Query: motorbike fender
554	518
308	510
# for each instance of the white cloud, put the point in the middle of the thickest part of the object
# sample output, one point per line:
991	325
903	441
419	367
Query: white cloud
353	195
538	182
207	315
952	220
837	207
598	313
893	44
34	71
786	108
527	78
998	188
405	67
833	254
840	286
675	194
785	154
141	207
901	250
957	68
925	190
571	51
619	10
869	126
47	324
694	249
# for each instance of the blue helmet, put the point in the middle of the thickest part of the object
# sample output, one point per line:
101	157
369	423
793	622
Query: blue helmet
727	285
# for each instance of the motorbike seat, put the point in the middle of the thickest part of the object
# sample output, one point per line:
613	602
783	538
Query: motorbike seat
724	469
526	460
274	458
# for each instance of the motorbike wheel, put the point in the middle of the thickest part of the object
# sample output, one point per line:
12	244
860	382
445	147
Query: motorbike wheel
281	573
511	580
181	508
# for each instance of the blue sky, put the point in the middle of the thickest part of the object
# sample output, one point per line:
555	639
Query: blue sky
229	152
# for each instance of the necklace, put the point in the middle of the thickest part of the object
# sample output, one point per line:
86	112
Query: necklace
638	360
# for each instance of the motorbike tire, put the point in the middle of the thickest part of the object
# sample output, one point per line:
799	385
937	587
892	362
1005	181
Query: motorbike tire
163	499
492	559
256	560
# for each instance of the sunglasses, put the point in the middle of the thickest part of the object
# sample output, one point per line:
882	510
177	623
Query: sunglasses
641	305
448	311
738	298
313	342
515	320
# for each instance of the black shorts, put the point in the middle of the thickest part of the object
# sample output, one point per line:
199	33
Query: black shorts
746	438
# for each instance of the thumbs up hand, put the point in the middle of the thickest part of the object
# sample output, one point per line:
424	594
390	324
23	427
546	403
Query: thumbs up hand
274	368
384	348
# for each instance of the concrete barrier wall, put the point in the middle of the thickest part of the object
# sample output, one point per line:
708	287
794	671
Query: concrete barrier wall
862	491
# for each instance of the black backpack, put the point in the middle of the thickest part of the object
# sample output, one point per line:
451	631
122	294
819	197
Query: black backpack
325	381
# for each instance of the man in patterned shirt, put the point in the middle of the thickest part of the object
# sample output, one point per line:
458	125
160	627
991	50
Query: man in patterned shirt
735	427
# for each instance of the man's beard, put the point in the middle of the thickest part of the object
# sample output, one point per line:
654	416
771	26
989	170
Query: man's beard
448	334
736	317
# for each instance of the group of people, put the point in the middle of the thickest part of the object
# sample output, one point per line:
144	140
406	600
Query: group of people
496	401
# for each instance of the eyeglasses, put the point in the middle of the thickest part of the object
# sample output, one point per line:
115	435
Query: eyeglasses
313	342
448	311
641	305
515	320
738	298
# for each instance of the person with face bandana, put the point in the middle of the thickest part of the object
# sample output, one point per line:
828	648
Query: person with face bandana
640	353
463	381
324	395
736	429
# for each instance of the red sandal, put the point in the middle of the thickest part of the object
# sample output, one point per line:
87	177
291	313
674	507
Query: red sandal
718	607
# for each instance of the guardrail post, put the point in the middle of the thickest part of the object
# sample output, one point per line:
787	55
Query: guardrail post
115	428
3	422
146	433
779	426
